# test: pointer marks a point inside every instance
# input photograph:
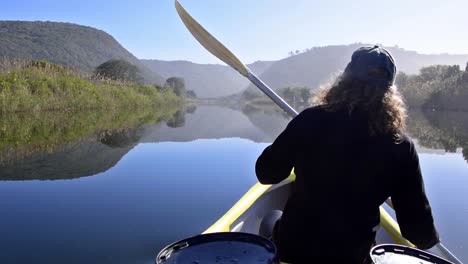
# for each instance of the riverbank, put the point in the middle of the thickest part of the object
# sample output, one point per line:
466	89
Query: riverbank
42	86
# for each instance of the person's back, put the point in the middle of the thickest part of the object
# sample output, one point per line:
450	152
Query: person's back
347	163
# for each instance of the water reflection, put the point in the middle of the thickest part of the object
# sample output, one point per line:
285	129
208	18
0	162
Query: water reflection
153	170
440	130
50	146
71	145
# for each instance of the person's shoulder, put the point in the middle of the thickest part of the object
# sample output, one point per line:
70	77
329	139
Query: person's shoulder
314	115
403	140
304	118
313	111
404	144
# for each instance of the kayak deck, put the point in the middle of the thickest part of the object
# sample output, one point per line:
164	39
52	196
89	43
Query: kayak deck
247	213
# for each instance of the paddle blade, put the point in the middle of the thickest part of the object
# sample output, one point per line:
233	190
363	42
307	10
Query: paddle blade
209	42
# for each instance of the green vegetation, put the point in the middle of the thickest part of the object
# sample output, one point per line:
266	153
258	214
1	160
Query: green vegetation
298	97
119	70
191	94
177	84
41	86
439	87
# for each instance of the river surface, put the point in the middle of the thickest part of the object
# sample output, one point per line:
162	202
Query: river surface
107	187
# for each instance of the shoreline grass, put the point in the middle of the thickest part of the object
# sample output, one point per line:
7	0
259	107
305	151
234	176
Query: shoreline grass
32	86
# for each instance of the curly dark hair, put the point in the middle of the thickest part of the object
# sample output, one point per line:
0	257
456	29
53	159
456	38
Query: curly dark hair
384	106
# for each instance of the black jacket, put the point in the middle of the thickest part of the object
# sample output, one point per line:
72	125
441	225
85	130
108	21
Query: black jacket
343	175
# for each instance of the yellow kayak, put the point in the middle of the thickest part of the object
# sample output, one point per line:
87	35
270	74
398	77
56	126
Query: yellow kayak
248	213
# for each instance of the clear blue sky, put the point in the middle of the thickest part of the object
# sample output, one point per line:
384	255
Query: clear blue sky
259	29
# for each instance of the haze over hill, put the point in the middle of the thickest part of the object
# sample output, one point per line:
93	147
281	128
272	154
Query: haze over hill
319	64
310	69
84	48
77	46
207	80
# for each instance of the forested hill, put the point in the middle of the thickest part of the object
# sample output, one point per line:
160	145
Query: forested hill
77	46
207	80
317	65
438	87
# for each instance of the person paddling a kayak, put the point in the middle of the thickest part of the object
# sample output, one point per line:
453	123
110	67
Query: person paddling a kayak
349	153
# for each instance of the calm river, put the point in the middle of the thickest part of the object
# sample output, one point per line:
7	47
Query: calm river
117	187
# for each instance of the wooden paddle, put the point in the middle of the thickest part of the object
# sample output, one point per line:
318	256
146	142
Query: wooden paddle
221	52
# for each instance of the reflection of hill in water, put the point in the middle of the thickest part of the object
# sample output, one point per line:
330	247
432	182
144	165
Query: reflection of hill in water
440	130
73	146
214	122
84	157
271	121
99	147
65	146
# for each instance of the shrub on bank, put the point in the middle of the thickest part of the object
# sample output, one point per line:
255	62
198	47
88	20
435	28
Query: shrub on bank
42	86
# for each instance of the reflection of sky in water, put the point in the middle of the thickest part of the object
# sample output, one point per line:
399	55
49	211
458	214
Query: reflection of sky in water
157	193
446	180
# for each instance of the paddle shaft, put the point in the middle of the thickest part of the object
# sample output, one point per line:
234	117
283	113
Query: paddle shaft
439	246
271	94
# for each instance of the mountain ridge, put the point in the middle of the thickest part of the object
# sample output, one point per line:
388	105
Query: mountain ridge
207	80
84	47
318	65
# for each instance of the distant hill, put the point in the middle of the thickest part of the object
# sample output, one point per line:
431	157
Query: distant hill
311	69
317	65
207	80
76	46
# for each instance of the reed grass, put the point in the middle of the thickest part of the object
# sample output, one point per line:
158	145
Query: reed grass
32	86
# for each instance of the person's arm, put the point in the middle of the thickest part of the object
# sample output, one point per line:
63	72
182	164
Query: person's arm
277	160
411	205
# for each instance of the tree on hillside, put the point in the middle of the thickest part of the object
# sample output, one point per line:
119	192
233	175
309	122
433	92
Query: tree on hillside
401	79
191	94
466	68
305	94
177	84
288	94
452	71
431	73
120	70
296	95
464	78
443	87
